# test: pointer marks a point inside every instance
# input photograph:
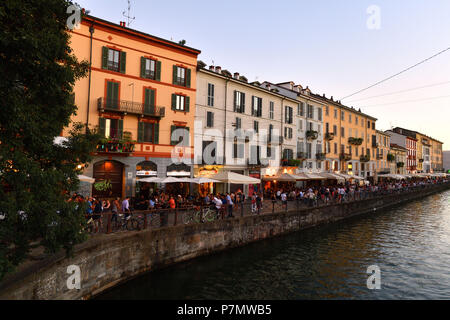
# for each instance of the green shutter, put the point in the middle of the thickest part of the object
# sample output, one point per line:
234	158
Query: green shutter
174	75
158	71
105	51
123	61
109	94
140	132
143	60
187	102
188	78
115	95
156	133
102	126
174	101
149	104
120	134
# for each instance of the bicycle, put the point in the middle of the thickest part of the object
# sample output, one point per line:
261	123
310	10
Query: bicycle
201	216
122	223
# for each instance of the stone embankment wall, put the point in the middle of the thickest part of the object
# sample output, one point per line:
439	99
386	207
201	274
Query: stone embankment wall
107	260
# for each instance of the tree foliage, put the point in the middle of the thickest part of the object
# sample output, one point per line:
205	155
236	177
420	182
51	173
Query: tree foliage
38	72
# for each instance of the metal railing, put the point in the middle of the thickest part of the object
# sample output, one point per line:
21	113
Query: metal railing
196	214
130	107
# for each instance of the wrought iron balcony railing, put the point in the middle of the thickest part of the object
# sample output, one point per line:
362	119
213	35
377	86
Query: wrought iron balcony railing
115	146
355	141
345	156
364	158
320	156
312	135
128	107
329	136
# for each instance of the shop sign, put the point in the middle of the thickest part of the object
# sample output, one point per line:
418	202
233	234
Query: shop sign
145	173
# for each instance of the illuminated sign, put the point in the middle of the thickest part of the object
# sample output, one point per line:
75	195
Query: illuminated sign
144	173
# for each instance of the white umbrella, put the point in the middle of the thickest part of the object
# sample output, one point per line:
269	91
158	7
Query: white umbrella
59	141
332	176
150	179
283	177
202	180
86	179
234	178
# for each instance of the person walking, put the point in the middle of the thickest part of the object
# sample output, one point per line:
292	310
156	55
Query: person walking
230	206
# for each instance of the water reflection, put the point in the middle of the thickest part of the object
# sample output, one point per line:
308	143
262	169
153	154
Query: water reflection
411	245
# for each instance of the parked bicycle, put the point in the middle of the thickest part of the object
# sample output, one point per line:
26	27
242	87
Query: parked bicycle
201	215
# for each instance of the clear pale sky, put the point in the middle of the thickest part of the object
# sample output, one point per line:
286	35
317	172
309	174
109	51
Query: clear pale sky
325	45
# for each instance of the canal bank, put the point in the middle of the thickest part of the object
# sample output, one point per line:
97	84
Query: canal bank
108	260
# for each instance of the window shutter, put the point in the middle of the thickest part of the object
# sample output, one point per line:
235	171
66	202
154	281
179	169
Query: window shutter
158	71
174	101
120	129
123	61
102	126
253	106
109	93
241	152
188	78
156	140
140	132
212	119
243	103
174	75
187	102
143	60
105	51
235	101
116	95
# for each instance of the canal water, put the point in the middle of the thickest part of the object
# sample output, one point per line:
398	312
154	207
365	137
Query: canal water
409	243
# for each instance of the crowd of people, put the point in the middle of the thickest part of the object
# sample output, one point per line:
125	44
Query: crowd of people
230	202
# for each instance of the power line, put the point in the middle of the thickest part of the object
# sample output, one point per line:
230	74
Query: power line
402	91
406	101
398	73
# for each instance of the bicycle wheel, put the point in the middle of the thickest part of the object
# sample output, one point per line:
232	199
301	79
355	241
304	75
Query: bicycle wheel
130	224
188	217
209	216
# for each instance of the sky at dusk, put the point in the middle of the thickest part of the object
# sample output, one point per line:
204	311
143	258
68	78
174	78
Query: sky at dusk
325	45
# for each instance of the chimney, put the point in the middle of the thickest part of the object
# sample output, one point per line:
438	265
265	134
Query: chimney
211	68
268	86
332	98
292	86
299	88
218	69
236	75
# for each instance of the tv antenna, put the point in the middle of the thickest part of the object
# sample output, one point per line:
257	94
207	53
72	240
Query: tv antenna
127	15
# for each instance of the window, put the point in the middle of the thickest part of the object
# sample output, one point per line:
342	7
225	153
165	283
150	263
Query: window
209	119
288	154
350	117
356	119
310	111
113	60
350	132
335	148
181	76
327	127
343	132
179	135
335	130
148	132
373	125
288	133
111	128
357	151
271	110
319	114
335	113
308	150
150	69
256	126
180	103
239	102
368	124
300	125
256	106
342	115
288	116
327	110
238	123
301	109
149	101
210	95
238	149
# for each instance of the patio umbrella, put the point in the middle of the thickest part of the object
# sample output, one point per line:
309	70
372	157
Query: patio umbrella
234	178
86	179
332	176
283	177
150	179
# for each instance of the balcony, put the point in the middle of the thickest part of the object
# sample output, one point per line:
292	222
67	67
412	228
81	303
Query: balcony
365	158
421	160
390	157
400	164
375	145
329	136
312	135
290	163
320	156
128	107
426	143
355	141
116	146
345	156
301	156
379	157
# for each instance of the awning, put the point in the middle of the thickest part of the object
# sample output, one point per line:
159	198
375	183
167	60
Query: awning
349	177
200	180
332	176
284	177
86	179
150	180
234	178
